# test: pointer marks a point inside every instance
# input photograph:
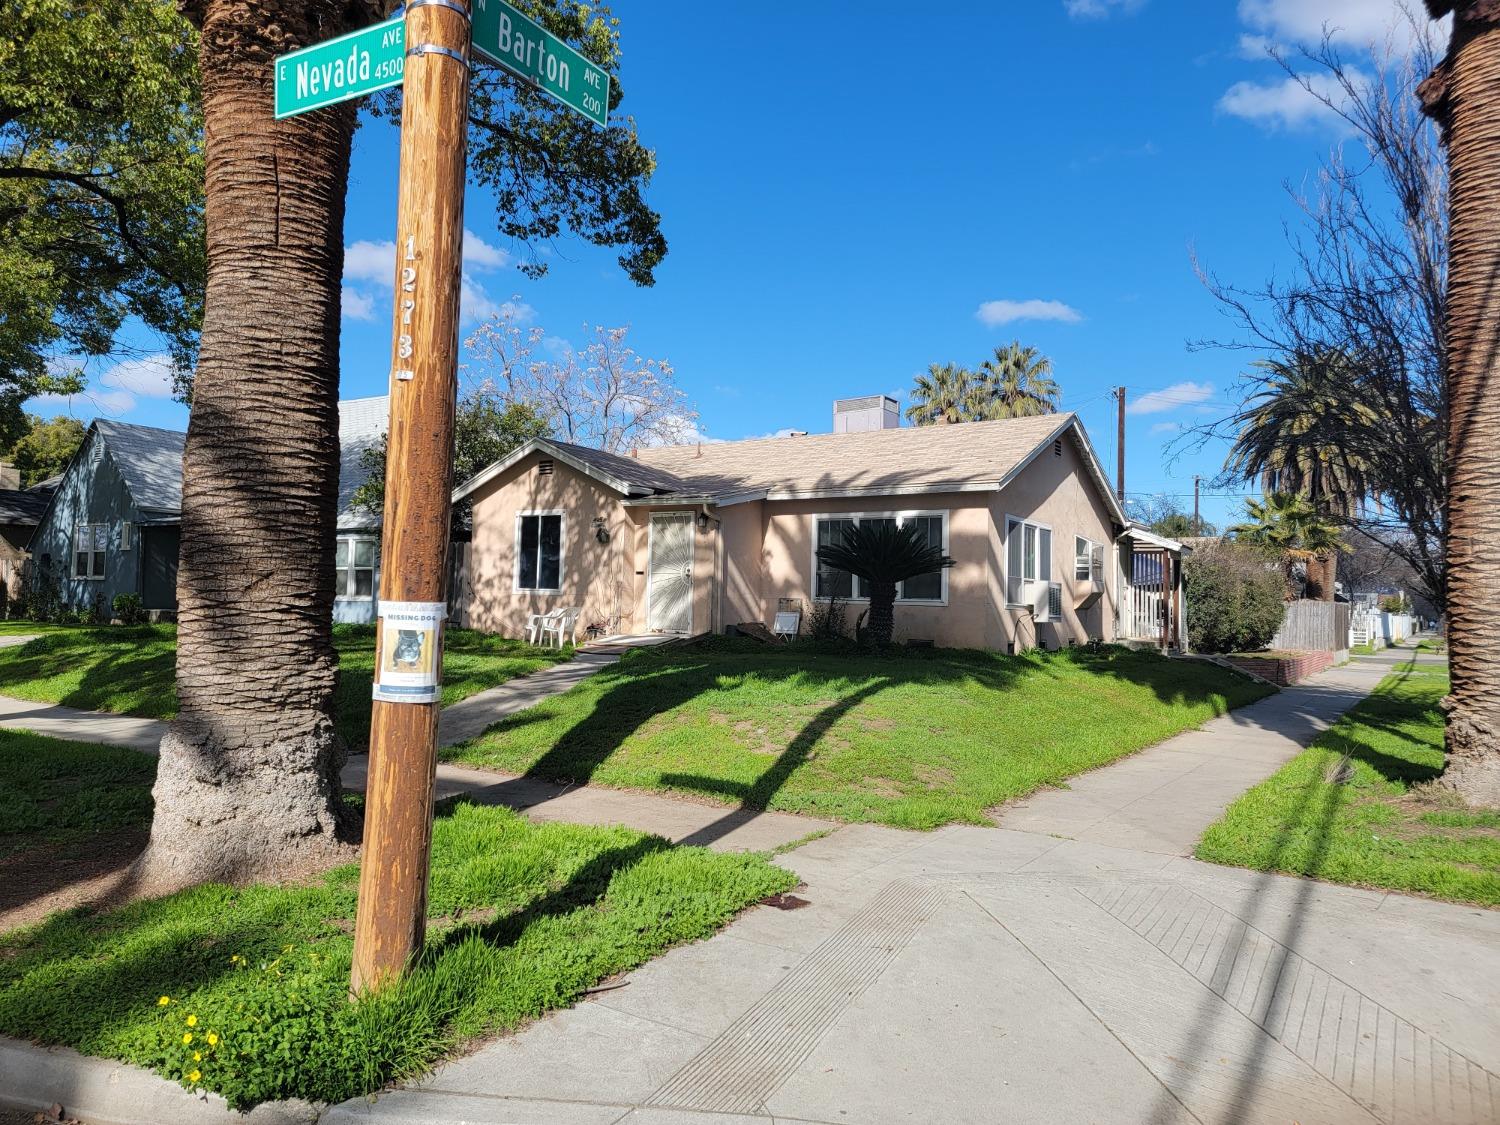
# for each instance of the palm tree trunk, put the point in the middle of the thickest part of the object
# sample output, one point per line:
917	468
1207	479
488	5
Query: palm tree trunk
882	613
1464	95
248	782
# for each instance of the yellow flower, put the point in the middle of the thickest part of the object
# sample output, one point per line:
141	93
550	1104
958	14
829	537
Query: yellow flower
192	1021
235	958
193	1076
187	1036
197	1056
213	1038
164	1001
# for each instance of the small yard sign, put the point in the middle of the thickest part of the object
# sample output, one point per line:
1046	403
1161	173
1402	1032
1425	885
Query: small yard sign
532	53
339	69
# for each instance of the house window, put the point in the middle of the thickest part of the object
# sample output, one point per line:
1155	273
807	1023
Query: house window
1028	565
90	541
539	549
355	573
1088	561
828	582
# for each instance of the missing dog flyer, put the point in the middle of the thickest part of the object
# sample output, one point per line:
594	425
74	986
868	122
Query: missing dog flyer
410	638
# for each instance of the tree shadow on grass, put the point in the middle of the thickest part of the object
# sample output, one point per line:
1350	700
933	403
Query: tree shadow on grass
649	685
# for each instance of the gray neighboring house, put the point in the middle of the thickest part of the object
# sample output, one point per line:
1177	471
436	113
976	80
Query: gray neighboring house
362	426
112	526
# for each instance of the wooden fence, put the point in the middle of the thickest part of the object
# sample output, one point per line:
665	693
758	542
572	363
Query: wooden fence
1314	627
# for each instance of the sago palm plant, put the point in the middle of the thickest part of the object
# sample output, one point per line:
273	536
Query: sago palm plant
884	555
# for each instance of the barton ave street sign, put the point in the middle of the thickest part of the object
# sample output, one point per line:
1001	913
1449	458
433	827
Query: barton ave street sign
522	46
339	69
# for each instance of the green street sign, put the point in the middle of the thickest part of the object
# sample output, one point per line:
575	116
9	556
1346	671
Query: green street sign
339	69
522	46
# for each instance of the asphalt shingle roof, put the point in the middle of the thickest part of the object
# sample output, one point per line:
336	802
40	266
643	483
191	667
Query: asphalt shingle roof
150	460
926	458
25	505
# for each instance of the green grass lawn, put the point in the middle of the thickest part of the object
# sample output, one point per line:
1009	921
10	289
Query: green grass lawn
53	791
915	740
1352	808
245	991
129	669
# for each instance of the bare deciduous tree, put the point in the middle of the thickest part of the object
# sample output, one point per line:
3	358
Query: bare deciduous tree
606	396
1369	284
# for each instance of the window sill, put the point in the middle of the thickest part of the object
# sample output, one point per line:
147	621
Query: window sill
544	593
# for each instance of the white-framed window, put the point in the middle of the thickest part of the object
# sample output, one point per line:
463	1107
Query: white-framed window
1028	565
828	582
539	551
354	562
90	545
1088	561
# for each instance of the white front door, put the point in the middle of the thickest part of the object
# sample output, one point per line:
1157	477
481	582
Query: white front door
670	573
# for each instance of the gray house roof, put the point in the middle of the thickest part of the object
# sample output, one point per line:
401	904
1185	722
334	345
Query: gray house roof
150	460
25	506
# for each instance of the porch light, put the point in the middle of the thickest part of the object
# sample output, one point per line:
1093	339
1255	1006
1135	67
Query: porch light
601	529
702	521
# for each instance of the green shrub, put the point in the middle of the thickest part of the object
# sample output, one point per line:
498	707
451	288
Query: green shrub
1234	599
129	609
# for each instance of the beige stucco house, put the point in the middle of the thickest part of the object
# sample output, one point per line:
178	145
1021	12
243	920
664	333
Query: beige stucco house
697	539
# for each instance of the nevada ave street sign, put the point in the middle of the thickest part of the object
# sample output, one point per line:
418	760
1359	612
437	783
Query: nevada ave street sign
522	46
339	69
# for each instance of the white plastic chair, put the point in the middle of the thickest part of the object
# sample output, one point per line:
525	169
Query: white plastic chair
560	623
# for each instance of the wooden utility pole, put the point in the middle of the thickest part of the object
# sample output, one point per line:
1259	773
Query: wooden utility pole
1197	522
389	927
1120	467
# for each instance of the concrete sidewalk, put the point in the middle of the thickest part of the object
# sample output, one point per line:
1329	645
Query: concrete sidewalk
981	975
976	975
1162	799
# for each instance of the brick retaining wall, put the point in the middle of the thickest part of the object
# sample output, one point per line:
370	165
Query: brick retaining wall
1283	670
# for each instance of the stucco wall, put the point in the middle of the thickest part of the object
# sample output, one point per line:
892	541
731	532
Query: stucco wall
597	576
743	531
967	620
88	493
753	554
1055	490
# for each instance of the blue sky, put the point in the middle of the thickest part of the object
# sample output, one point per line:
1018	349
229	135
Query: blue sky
859	194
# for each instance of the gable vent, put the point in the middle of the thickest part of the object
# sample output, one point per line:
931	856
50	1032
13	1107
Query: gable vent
544	467
96	452
1057	448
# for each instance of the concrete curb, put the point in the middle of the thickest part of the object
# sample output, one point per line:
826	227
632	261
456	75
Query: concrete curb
113	1093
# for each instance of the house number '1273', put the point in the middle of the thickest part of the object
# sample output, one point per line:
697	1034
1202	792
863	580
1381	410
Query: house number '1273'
408	303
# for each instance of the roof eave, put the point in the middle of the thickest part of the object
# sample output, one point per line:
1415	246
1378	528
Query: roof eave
489	473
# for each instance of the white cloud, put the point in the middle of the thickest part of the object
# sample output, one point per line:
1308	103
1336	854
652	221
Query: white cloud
94	400
1100	9
1349	23
1166	427
1174	397
371	261
993	313
149	375
480	256
1287	103
356	305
